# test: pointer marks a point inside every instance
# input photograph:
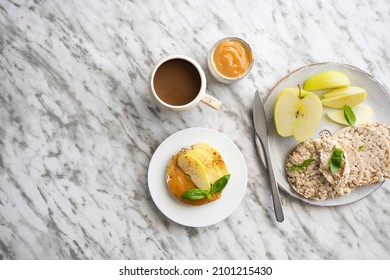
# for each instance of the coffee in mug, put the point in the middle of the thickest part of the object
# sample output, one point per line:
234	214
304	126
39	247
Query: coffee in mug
178	83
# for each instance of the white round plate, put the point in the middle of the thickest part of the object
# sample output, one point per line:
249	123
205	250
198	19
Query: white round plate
208	214
377	98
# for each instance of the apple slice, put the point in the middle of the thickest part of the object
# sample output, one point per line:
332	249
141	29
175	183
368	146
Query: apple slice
343	91
207	162
215	159
352	97
297	113
195	170
362	113
326	80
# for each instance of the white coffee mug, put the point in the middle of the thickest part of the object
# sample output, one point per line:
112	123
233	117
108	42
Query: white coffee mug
202	95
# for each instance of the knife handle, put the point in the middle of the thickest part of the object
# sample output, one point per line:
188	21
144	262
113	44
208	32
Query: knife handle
260	151
274	189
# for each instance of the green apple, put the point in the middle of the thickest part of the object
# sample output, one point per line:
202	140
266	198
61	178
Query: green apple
194	168
326	80
352	96
297	113
362	113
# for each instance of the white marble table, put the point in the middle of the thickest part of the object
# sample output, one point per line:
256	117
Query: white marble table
78	127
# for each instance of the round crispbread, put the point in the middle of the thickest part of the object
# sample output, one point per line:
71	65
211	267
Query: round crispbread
373	149
384	130
310	181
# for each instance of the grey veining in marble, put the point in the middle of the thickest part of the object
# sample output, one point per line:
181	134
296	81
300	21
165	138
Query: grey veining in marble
78	127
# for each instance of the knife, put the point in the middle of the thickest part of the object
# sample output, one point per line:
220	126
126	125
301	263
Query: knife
260	123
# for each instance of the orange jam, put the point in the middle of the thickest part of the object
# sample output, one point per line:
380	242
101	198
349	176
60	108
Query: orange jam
232	58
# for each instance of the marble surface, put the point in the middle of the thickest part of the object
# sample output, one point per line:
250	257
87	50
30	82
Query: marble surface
78	127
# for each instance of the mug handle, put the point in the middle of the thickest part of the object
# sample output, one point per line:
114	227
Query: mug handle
211	101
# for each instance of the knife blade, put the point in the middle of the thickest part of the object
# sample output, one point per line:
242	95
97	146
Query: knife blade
260	123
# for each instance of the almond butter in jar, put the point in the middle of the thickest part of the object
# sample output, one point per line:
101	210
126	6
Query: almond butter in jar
230	60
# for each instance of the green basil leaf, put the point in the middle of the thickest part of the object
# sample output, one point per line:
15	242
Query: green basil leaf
361	148
349	115
336	160
220	184
300	166
195	194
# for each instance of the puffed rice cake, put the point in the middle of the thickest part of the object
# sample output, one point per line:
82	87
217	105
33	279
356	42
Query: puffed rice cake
310	181
384	130
373	148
